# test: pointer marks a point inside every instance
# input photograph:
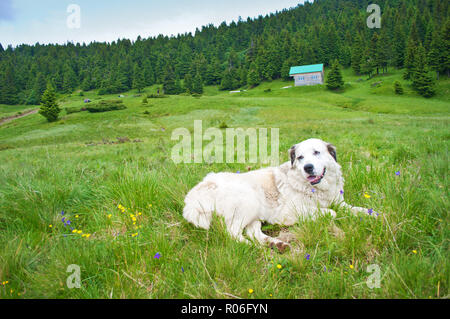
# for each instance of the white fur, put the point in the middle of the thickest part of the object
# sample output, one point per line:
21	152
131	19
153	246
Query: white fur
277	195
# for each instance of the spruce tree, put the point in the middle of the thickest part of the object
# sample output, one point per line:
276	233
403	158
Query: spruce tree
8	91
197	85
422	82
357	55
138	79
253	76
188	83
334	77
169	84
49	107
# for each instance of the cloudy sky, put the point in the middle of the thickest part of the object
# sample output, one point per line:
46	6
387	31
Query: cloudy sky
45	21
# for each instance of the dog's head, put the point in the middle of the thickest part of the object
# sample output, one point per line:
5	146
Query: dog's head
312	158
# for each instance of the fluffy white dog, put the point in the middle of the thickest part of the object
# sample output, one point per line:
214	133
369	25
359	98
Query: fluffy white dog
304	187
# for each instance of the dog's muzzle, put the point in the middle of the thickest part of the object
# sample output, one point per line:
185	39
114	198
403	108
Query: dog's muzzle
314	180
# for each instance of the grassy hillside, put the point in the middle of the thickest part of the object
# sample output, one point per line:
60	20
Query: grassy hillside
72	166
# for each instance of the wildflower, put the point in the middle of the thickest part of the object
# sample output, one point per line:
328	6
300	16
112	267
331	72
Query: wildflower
109	215
68	222
149	205
307	256
250	291
270	295
62	212
134	235
341	192
50	226
238	172
367	195
397	173
88	235
182	269
63	220
279	266
414	251
313	190
79	231
76	216
370	211
157	256
139	214
351	266
133	218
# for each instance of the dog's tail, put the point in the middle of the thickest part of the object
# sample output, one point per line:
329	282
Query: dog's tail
200	204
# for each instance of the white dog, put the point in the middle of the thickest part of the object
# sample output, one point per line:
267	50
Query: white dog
304	187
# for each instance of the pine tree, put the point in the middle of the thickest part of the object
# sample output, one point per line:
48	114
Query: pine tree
138	79
37	91
436	49
197	85
8	91
357	55
169	85
49	107
69	79
188	83
253	76
334	77
399	46
421	80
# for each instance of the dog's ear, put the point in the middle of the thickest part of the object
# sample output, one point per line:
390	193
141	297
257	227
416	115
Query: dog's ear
292	155
332	150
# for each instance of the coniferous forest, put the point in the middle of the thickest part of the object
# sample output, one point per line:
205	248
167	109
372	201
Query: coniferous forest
415	37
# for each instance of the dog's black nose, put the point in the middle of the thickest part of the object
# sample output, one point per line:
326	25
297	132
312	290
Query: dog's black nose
309	168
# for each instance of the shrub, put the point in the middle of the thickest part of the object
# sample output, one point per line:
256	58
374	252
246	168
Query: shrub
74	109
106	106
398	88
223	125
268	90
156	96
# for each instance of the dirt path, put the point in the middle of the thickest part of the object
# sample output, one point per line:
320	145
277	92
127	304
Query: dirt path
17	116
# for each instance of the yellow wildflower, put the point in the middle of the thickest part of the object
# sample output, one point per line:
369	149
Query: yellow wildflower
76	216
50	226
250	291
351	266
79	232
414	251
279	266
74	231
109	215
367	195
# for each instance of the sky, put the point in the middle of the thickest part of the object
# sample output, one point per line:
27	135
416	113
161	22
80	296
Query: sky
50	21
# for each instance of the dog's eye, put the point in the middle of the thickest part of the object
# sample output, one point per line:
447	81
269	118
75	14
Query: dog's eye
300	157
316	152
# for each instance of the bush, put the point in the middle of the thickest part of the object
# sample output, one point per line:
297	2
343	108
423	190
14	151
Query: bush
398	88
74	109
106	106
268	90
223	125
156	96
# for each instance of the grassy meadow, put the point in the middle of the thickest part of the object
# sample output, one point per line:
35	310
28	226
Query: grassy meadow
72	166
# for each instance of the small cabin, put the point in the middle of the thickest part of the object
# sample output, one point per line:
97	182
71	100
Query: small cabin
307	74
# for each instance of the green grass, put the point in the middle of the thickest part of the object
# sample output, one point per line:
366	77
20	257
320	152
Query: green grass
68	165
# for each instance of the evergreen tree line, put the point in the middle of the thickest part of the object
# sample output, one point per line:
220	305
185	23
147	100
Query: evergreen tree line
414	35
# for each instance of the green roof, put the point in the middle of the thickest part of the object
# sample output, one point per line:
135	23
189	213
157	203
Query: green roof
306	69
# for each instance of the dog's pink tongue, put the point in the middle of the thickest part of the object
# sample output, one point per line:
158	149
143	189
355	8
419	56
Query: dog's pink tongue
312	178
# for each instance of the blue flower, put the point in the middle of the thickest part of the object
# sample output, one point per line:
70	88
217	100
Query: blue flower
157	256
62	212
307	256
370	211
341	192
313	190
238	172
182	269
397	173
63	219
